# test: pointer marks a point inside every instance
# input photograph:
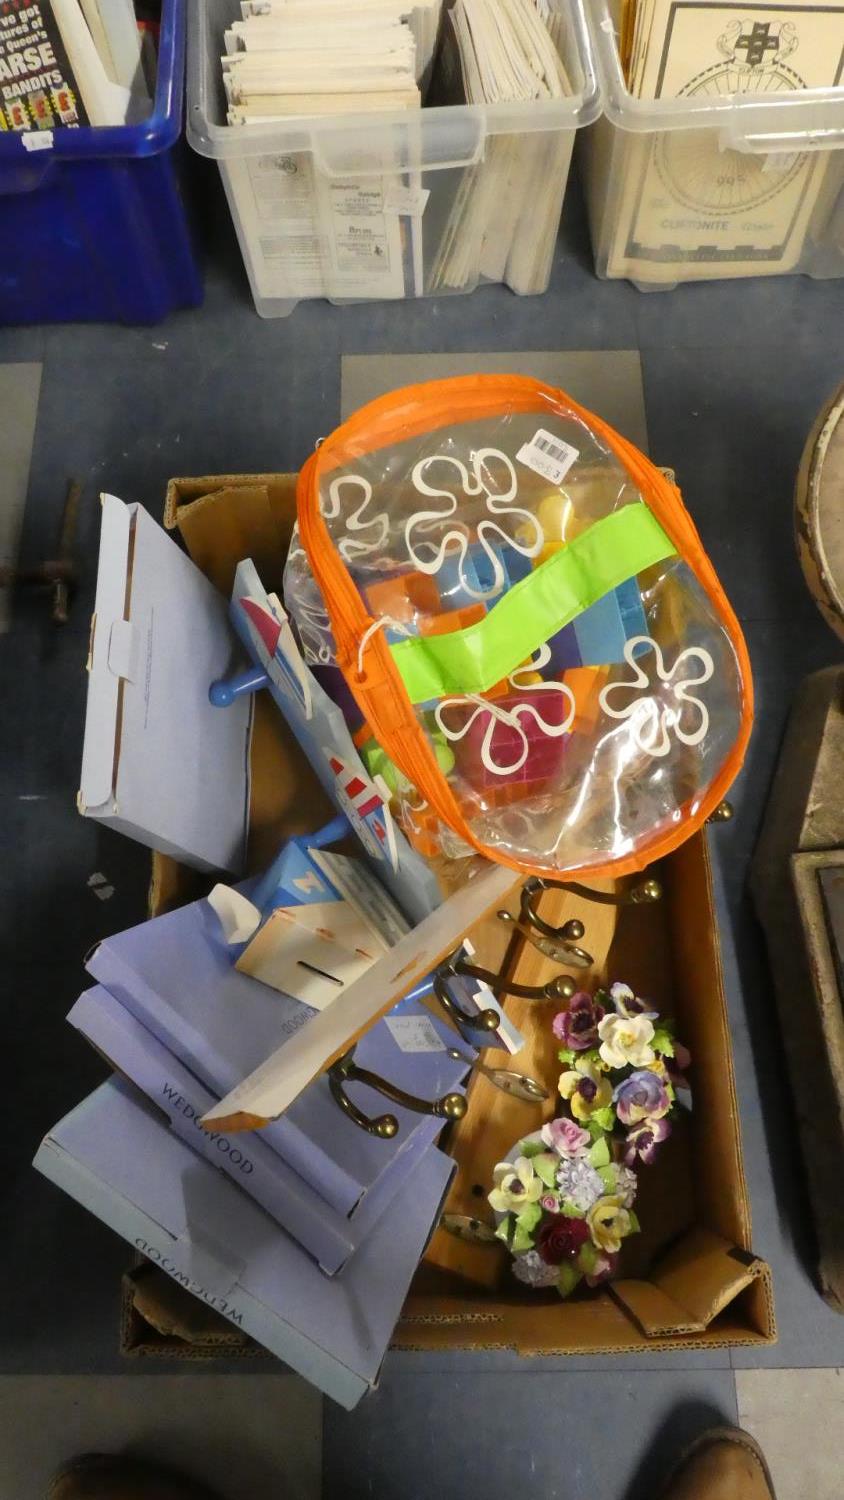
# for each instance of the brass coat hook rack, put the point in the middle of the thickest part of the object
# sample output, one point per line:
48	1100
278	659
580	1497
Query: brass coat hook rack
346	1070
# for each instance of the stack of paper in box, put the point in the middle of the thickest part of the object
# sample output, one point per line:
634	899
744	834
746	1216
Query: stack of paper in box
319	236
503	224
687	208
310	58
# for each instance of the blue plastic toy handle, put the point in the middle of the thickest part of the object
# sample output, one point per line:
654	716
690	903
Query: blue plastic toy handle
225	690
338	828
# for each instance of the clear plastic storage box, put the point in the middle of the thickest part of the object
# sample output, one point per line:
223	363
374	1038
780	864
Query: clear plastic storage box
742	175
370	207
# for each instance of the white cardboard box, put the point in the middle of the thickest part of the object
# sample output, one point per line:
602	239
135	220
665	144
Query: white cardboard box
157	754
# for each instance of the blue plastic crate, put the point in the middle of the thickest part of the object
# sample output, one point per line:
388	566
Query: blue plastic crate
95	226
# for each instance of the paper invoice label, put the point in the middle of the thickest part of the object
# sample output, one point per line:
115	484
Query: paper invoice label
275	202
415	1034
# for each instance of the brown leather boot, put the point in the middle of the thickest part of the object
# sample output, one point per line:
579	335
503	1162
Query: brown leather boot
102	1476
724	1464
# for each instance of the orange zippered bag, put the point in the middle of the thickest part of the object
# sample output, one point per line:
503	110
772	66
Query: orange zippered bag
543	665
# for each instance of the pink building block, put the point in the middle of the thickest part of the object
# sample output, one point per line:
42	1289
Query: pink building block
545	753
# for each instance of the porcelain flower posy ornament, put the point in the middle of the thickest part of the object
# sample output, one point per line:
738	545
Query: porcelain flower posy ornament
565	1199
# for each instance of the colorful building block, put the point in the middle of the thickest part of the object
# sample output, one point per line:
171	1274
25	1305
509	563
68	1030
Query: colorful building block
632	610
560	524
507	740
456	572
586	684
555	514
600	632
565	652
406	597
456	619
515	566
422	827
598	635
378	762
470	579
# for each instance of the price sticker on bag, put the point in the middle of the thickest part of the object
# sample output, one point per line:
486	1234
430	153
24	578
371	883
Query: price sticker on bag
547	455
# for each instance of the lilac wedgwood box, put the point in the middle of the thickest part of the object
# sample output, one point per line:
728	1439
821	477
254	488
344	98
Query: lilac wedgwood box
330	1237
174	975
116	1157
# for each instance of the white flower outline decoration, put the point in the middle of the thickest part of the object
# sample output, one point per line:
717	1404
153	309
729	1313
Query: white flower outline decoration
310	615
497	505
351	547
650	723
510	717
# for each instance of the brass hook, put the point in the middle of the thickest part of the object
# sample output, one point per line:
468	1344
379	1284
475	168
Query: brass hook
346	1070
465	1227
559	948
561	988
517	1085
482	1020
723	813
641	894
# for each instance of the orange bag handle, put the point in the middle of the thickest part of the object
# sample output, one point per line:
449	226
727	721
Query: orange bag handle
371	672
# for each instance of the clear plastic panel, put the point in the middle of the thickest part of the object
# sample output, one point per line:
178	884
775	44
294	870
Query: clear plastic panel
572	676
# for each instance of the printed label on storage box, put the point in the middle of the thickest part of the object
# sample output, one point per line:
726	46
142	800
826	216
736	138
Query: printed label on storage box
415	1034
362	237
547	455
274	198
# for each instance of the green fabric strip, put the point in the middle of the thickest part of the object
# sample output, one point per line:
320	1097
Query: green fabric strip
534	609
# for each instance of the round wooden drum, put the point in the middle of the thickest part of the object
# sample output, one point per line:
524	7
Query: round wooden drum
819	512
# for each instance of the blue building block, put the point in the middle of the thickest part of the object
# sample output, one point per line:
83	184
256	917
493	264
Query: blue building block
453	575
565	652
515	565
631	608
600	632
476	570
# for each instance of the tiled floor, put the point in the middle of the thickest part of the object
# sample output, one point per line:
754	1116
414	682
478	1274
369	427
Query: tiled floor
796	1416
733	374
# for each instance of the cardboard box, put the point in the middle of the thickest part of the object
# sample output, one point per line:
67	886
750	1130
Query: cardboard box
160	1319
330	1237
697	1282
178	980
116	1156
141	767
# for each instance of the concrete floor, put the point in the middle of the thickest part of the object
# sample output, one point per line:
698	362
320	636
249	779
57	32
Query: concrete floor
733	374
